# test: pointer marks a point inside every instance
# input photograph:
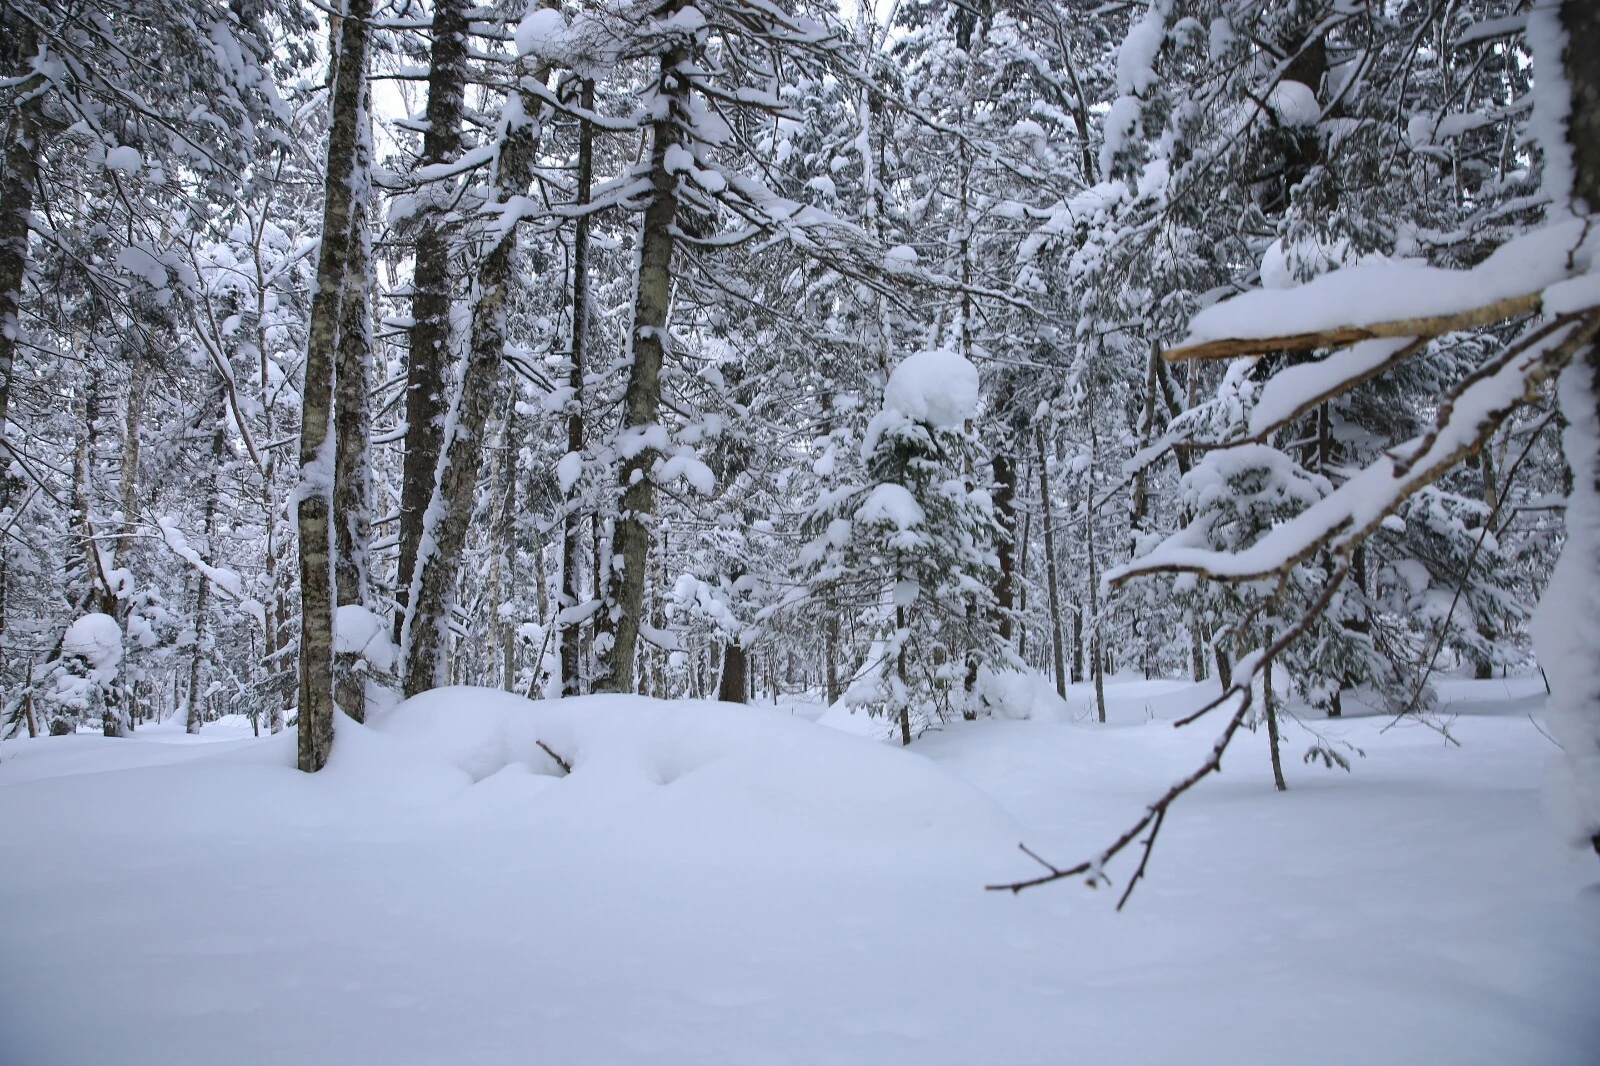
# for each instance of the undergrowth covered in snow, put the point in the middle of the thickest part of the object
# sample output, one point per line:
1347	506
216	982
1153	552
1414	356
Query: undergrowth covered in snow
721	884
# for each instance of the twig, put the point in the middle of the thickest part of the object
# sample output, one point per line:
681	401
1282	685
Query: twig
564	764
1243	687
1542	731
1144	860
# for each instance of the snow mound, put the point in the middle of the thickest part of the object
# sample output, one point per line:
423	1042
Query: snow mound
124	159
1294	103
938	387
694	776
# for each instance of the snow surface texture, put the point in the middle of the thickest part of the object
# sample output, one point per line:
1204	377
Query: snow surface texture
718	885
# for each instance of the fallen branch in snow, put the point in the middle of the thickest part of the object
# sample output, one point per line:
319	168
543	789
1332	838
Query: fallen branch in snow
566	767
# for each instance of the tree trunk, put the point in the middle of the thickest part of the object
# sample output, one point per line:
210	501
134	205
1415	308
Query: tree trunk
219	451
428	367
1004	472
1571	661
317	443
351	521
621	615
1052	579
734	682
19	44
571	650
427	615
1269	702
902	671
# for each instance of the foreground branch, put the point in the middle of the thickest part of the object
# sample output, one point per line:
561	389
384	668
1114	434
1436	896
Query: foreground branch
1243	687
1343	336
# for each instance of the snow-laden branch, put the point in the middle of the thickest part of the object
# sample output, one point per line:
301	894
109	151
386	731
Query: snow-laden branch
1346	516
1387	299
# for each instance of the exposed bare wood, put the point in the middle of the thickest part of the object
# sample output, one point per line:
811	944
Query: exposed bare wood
1341	336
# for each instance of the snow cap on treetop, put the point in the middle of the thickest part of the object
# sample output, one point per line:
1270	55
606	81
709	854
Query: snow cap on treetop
938	387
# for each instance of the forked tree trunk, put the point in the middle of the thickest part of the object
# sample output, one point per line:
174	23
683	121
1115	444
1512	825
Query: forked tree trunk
621	616
428	366
317	444
427	615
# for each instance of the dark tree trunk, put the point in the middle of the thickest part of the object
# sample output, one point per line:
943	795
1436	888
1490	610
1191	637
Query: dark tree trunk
622	614
1270	705
1051	577
734	683
457	476
429	364
571	649
18	45
1005	496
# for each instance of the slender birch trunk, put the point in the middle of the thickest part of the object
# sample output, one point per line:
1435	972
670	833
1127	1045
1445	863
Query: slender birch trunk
317	429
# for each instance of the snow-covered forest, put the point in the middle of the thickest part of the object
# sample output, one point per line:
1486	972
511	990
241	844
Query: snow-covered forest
459	401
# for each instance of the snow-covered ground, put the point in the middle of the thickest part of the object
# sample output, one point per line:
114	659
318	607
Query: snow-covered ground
715	884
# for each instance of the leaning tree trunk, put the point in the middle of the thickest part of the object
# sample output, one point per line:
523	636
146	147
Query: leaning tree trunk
317	439
642	402
427	615
428	367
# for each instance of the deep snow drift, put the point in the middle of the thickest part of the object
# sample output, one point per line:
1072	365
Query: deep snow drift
716	884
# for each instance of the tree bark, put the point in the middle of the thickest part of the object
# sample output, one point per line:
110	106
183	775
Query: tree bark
317	430
352	426
1052	578
18	46
428	366
427	624
734	683
1004	472
1574	706
621	615
219	451
1269	702
571	546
